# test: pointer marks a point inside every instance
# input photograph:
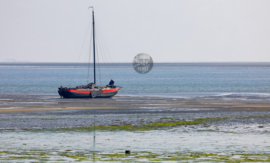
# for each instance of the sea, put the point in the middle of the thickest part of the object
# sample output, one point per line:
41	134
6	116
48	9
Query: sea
217	81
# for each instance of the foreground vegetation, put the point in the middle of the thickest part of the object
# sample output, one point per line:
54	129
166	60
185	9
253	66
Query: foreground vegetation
68	155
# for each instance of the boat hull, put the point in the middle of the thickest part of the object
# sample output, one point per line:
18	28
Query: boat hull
70	93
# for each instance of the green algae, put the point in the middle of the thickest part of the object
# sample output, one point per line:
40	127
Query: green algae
254	116
7	130
140	127
135	156
150	126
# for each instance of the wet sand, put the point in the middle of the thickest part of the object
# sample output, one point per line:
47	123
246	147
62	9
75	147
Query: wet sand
58	129
24	103
47	112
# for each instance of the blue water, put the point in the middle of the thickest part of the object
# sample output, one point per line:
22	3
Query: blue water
165	79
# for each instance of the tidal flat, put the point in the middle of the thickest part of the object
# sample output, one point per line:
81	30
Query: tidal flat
36	128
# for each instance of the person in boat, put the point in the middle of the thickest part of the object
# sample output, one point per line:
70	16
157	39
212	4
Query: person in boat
111	83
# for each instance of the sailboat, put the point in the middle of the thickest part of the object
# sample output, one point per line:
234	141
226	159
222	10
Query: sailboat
90	90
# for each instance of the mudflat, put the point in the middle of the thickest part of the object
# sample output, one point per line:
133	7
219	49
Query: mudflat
31	111
24	103
47	128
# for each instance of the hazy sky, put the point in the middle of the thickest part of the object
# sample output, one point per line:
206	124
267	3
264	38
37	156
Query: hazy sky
168	30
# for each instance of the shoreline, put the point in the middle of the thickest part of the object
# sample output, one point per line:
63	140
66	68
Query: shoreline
18	103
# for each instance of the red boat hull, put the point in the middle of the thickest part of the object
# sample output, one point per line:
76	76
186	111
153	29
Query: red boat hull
77	93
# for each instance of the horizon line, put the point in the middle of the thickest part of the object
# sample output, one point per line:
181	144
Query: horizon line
154	62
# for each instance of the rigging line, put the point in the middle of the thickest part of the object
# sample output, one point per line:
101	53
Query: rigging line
102	51
101	36
106	48
89	59
80	51
104	61
98	65
107	56
99	71
97	53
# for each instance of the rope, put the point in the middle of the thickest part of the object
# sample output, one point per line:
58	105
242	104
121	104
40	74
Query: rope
103	59
106	49
98	65
102	53
80	52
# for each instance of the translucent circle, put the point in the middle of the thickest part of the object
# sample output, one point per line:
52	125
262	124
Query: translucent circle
142	63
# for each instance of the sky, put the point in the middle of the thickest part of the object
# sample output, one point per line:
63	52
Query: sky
167	30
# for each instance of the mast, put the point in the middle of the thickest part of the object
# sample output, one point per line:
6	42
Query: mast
94	54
